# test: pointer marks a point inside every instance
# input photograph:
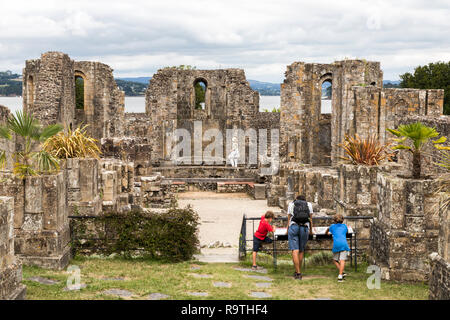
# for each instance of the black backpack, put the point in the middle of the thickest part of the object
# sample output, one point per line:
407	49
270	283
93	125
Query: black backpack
301	212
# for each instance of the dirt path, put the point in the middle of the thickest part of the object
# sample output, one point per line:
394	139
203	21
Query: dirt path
221	219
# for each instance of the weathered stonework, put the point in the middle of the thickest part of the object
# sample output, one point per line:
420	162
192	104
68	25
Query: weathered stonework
6	145
11	287
406	229
49	94
170	104
83	187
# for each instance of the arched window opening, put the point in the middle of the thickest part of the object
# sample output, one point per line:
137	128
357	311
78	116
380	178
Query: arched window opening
79	92
200	87
327	93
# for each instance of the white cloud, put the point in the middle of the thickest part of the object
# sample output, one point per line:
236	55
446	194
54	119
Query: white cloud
261	36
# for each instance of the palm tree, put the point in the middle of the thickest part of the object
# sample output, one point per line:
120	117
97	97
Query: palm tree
419	134
27	160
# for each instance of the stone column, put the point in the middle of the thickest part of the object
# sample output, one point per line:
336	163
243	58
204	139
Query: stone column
43	237
11	287
406	228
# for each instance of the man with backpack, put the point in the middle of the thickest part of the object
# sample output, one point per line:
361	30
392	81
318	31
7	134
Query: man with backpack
299	227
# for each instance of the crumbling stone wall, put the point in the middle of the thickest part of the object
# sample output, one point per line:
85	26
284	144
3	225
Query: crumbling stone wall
406	228
49	88
359	106
6	145
104	102
301	95
11	287
170	104
129	149
41	222
49	94
137	125
440	260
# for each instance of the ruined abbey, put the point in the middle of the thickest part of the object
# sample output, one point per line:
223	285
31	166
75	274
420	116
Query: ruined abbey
407	235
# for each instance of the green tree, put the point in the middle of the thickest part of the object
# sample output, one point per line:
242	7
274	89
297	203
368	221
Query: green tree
200	90
28	161
431	76
419	134
79	93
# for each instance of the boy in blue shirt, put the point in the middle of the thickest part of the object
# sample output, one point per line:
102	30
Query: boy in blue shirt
340	246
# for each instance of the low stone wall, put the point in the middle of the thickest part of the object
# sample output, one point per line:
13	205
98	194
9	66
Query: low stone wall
439	278
11	287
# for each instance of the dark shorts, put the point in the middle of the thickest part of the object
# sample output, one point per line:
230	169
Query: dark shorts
298	237
258	242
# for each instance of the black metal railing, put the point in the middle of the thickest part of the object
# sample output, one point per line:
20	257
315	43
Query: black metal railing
243	241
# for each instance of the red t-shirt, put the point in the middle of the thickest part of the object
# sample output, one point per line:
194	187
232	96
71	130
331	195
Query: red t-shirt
263	228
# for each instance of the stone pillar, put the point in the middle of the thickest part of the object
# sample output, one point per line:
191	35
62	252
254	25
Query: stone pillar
440	261
82	187
43	237
11	287
406	229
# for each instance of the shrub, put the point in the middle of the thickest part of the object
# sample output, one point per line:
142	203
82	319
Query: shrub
73	144
364	151
418	134
30	157
170	236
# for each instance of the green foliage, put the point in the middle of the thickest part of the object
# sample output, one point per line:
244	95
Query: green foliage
10	84
200	91
27	160
367	151
418	134
431	76
170	236
79	93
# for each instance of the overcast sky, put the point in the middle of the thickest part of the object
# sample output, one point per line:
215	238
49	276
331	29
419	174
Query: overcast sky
136	38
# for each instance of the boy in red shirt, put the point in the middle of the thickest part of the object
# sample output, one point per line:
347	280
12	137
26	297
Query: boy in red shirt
260	235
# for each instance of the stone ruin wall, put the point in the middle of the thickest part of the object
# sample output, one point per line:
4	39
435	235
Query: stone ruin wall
170	104
49	88
11	287
104	102
6	145
49	94
303	127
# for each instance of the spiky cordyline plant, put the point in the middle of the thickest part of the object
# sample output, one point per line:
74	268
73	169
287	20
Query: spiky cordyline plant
27	161
73	144
364	151
419	134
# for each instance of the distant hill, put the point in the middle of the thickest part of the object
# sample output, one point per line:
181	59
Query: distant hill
10	84
143	80
131	88
391	83
264	88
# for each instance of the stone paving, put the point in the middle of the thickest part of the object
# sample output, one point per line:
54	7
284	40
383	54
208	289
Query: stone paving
42	280
222	284
118	292
157	296
260	295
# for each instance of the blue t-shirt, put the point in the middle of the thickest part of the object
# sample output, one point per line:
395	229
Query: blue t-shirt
339	232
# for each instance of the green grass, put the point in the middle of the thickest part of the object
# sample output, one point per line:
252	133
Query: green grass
143	277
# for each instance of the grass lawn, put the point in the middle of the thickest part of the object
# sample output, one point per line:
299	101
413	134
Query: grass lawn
143	277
